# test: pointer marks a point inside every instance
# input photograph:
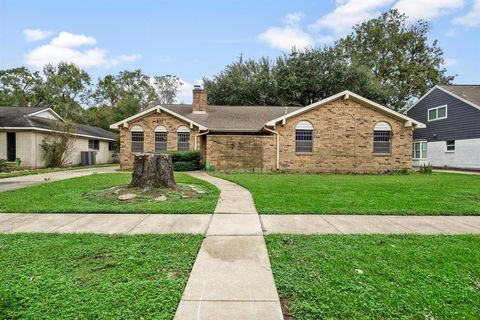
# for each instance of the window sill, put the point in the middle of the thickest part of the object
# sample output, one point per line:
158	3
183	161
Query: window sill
303	153
450	151
378	154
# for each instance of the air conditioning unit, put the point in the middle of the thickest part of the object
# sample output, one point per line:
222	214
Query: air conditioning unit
88	158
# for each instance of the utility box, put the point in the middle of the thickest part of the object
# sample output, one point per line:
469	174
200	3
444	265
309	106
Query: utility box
88	158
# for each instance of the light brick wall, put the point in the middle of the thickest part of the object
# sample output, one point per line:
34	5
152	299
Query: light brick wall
343	140
149	122
241	152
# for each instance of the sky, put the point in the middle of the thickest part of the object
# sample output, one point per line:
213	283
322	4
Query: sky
196	39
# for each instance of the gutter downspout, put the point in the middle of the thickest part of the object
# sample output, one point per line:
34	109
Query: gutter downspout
278	145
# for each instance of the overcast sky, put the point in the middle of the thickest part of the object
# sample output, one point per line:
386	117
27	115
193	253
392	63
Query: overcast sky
193	39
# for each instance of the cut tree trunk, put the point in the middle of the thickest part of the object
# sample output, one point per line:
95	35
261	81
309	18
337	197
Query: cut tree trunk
152	170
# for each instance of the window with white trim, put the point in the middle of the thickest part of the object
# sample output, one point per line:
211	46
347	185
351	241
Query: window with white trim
382	138
437	113
183	138
304	137
137	139
160	138
450	145
420	150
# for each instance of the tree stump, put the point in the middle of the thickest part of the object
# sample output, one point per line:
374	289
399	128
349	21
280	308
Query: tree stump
152	170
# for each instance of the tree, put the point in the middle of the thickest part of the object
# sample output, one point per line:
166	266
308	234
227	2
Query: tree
299	78
310	75
166	88
57	146
20	87
67	88
152	170
247	82
398	54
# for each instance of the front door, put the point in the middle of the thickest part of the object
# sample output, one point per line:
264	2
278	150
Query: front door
11	146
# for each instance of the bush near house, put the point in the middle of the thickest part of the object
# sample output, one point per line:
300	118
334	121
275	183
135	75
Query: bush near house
185	160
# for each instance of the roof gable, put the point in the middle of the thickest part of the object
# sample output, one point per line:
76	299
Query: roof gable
349	95
469	94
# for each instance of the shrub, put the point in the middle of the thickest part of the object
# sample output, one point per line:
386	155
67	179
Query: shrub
3	165
185	160
57	146
426	169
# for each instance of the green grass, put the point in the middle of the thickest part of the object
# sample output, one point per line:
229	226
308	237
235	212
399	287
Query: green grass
74	196
435	194
404	277
53	276
27	172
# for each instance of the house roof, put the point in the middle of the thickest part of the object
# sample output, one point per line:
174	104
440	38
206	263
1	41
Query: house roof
25	118
252	118
464	91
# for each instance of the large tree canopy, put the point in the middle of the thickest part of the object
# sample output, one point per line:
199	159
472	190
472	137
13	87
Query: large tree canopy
388	59
397	52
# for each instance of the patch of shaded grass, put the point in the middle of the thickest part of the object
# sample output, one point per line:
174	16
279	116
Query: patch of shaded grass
377	276
54	276
414	194
76	196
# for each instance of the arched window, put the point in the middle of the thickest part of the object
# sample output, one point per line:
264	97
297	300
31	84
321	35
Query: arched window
137	139
304	137
382	138
160	138
183	138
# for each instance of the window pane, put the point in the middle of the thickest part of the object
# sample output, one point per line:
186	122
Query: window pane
424	150
381	141
451	145
432	114
303	140
160	141
137	141
183	141
442	112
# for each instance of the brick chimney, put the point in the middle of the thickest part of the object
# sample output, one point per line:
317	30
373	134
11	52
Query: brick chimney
199	103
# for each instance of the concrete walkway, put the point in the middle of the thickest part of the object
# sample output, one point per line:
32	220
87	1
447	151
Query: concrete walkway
456	171
25	181
231	278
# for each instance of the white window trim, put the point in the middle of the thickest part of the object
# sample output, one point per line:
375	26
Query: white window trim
446	147
420	150
436	108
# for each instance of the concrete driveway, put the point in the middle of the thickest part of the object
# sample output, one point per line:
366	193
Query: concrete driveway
25	181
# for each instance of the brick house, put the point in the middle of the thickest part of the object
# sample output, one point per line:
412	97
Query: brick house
342	133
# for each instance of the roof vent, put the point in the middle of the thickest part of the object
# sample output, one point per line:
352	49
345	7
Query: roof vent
285	111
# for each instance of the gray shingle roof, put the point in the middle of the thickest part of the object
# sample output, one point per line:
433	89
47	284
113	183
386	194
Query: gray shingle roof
232	118
18	117
467	92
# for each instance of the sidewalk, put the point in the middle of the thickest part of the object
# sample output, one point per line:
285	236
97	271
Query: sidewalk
232	277
25	181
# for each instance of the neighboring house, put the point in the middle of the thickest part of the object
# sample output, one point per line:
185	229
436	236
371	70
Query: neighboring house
452	136
342	133
22	130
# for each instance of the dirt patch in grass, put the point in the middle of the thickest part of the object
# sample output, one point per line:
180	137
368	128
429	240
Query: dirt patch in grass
138	195
286	304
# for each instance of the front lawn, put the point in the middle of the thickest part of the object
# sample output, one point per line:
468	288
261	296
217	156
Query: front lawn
435	194
377	277
54	276
89	194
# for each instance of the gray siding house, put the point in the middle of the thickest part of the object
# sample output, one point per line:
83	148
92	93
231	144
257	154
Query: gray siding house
452	136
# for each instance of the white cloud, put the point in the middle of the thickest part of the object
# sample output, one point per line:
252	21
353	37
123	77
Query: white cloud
348	13
66	47
32	35
184	94
288	36
472	18
428	9
70	40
